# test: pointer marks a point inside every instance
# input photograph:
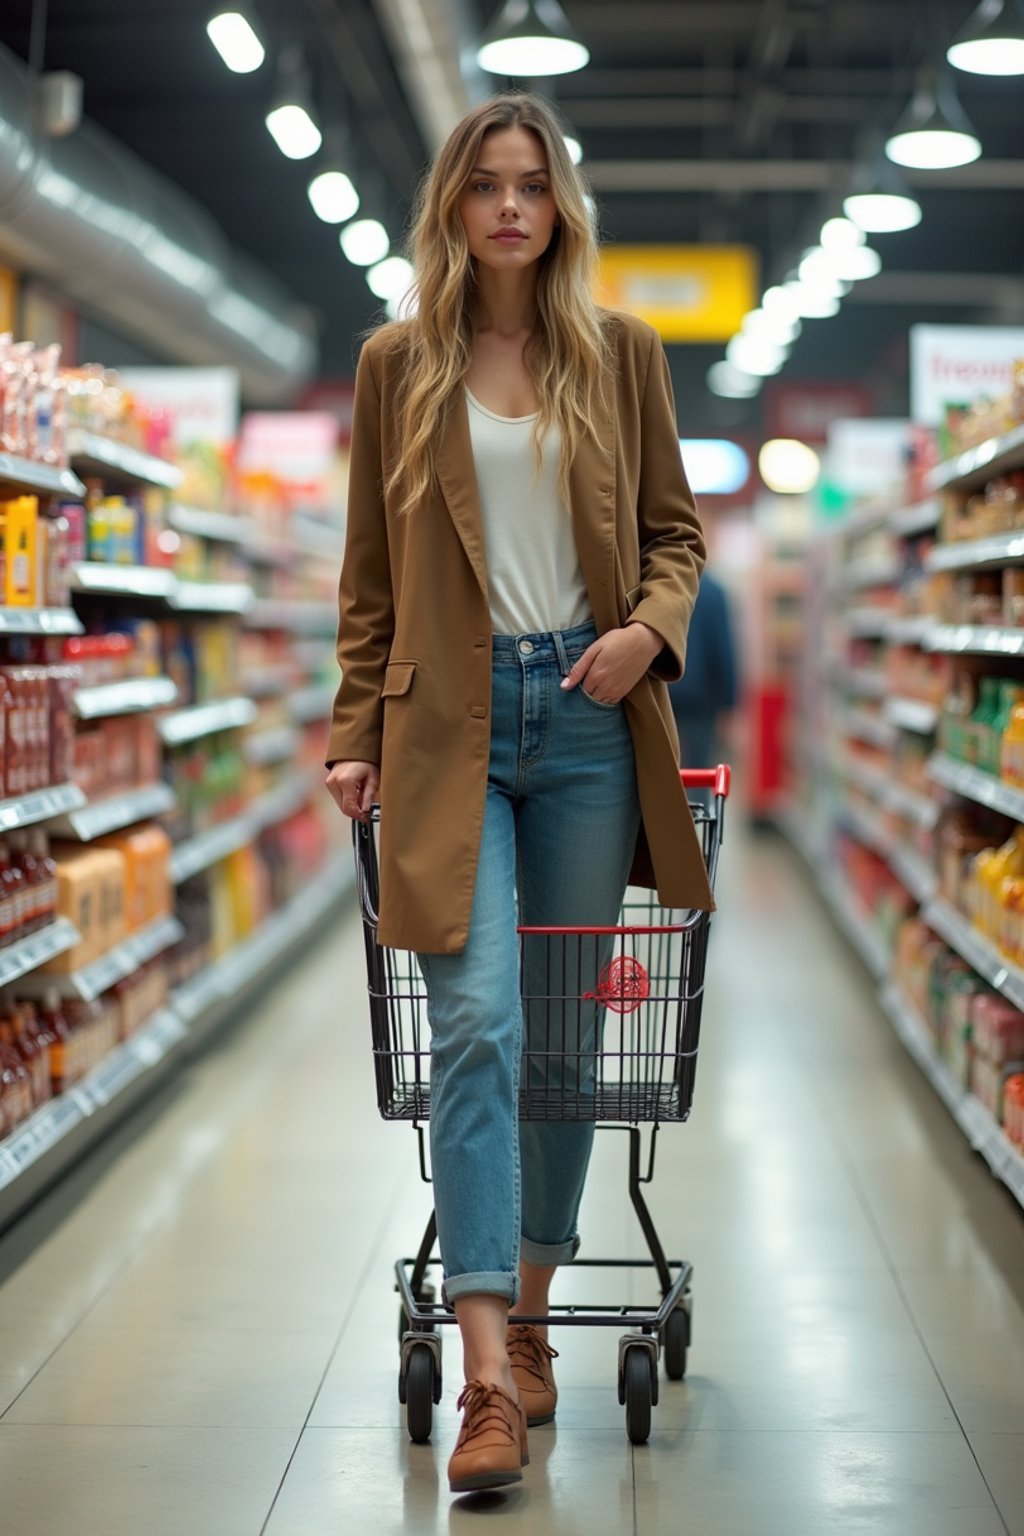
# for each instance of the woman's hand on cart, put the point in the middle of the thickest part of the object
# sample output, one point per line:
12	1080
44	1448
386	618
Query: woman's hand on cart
354	786
615	663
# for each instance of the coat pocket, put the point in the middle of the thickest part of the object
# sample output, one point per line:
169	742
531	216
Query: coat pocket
633	596
398	679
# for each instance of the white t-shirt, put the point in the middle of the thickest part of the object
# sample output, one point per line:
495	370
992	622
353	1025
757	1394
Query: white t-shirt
534	576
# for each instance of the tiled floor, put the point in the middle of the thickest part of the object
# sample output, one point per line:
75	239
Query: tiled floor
197	1333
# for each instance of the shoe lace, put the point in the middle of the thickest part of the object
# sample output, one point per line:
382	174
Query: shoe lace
484	1410
529	1350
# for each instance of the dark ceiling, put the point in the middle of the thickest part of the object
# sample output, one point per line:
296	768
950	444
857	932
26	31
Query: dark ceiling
747	96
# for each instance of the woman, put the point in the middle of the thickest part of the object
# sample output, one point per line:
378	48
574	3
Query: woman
521	560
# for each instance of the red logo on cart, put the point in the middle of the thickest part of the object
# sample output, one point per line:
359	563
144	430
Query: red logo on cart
622	986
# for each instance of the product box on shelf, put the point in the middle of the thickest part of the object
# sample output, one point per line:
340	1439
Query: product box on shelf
148	892
90	891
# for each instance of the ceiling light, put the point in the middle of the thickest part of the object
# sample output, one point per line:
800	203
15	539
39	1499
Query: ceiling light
772	326
390	278
817	272
365	241
788	467
575	149
724	378
531	37
840	234
856	263
333	197
715	466
232	33
779	301
813	303
290	119
752	354
933	134
991	42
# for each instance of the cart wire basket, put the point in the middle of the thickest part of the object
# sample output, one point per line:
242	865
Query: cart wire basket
611	1022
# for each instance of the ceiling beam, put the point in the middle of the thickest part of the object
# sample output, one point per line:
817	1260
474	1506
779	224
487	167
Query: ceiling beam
781	175
712	111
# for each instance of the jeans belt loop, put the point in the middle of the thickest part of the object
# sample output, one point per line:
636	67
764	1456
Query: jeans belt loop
563	660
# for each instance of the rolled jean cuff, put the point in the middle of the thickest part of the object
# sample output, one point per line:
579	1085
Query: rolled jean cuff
549	1253
497	1282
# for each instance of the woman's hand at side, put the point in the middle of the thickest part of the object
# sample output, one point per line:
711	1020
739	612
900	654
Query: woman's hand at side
615	662
354	786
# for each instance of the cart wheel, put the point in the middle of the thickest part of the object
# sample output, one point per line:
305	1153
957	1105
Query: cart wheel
419	1394
639	1393
675	1340
427	1294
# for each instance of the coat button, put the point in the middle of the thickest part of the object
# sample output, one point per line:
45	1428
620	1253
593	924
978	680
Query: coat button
478	712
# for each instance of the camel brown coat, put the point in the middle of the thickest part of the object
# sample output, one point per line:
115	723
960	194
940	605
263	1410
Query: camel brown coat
414	634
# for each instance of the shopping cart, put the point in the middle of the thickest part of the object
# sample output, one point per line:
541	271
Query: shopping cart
612	1027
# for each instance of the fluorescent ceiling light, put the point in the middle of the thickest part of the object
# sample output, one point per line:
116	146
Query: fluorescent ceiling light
991	42
294	131
840	234
575	149
724	378
232	34
365	242
390	278
788	467
531	37
715	466
933	134
333	197
754	355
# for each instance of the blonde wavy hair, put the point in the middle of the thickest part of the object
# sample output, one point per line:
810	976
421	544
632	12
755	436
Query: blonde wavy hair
569	350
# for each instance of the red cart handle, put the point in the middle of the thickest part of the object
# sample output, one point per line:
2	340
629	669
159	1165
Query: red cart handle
719	779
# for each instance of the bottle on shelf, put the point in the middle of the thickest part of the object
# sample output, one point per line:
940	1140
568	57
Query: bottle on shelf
63	1049
1011	755
24	860
46	865
15	1080
33	1050
981	725
12	894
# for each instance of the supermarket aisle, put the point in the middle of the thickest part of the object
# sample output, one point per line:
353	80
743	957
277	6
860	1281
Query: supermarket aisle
206	1343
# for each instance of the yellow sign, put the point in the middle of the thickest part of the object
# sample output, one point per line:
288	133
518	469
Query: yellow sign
687	292
8	299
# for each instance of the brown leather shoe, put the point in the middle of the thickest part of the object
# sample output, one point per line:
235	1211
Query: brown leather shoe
491	1449
530	1356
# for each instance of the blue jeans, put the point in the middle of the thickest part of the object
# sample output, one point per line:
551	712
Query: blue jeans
560	827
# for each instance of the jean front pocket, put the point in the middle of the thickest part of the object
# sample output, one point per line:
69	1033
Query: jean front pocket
597	703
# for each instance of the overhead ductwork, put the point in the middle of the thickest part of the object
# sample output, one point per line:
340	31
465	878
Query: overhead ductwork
125	243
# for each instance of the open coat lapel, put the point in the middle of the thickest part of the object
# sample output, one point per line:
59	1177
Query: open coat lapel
457	476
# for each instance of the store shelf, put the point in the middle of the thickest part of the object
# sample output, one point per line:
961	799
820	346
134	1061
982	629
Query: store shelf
212	597
54	1138
221	527
857	926
277	552
919	518
960	934
100	975
913	1032
973	784
217	987
18	474
912	715
274	745
874	572
40	621
311	537
866	826
205	848
311	704
206	719
282	801
293	615
865	726
25	955
976	554
866	681
975	640
269	683
149	581
976	466
912	804
39	805
870	777
913	871
99	817
105	457
910	629
868	623
988	1138
130	697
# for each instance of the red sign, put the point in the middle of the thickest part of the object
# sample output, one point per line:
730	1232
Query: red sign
806	411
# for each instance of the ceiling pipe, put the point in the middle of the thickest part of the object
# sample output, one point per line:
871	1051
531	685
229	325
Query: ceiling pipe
127	244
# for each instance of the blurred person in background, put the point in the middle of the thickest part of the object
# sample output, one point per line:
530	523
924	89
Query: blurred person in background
705	698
